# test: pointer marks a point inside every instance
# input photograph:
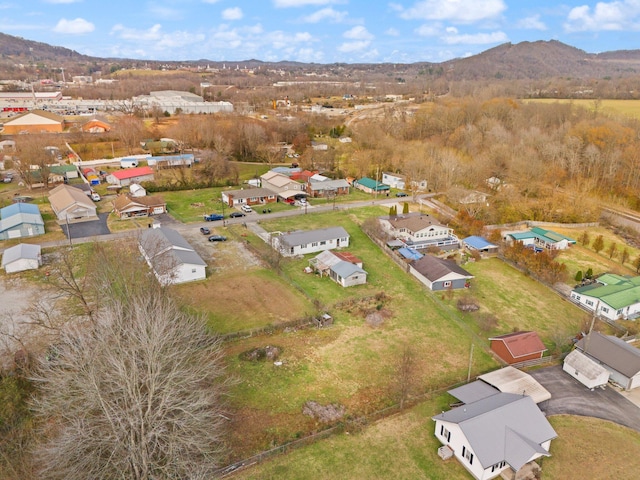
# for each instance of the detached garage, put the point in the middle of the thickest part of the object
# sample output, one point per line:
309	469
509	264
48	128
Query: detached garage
21	257
585	370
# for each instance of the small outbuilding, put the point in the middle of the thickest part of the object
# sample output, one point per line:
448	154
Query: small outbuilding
347	274
479	244
621	359
518	347
439	274
21	257
591	374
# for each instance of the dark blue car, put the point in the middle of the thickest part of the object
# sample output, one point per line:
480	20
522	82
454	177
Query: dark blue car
212	217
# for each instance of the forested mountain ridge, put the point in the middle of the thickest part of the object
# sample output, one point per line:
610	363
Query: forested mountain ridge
525	60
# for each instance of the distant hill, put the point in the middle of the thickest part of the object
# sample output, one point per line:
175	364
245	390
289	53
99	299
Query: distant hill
525	60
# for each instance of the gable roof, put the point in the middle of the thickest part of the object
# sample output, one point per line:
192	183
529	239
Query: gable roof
434	268
160	243
250	193
20	251
328	184
346	269
294	239
520	344
16	208
612	351
372	184
474	391
583	364
478	243
35	116
21	218
132	172
512	380
413	222
618	293
502	427
64	196
277	179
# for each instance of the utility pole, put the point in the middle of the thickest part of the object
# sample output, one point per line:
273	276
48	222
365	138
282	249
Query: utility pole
470	362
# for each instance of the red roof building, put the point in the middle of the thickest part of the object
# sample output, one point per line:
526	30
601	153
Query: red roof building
518	347
130	175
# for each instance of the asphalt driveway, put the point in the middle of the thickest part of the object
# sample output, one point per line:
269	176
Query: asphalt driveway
568	396
90	229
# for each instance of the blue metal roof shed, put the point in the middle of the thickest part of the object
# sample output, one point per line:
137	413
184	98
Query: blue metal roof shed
478	243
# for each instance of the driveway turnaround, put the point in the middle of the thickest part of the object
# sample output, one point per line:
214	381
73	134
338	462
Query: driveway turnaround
570	397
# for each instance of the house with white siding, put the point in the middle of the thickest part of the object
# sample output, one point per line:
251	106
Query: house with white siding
172	259
419	231
621	359
612	296
499	432
311	241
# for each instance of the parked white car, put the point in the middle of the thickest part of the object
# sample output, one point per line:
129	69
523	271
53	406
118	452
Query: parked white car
246	208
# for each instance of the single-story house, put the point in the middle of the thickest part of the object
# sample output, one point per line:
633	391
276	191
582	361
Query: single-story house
35	121
282	185
479	244
249	196
311	241
172	259
511	380
20	220
130	175
72	204
347	274
126	206
617	356
419	231
518	346
66	171
95	126
439	274
611	296
394	180
342	267
495	433
588	372
327	188
21	257
541	238
370	185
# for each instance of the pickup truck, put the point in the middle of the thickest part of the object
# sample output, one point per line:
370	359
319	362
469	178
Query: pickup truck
212	217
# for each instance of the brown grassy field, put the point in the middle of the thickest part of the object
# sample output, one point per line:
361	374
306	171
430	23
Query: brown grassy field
629	108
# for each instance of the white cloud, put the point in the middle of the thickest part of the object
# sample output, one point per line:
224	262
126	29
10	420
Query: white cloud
165	12
457	11
76	26
392	32
148	35
301	3
356	46
617	15
325	14
429	30
531	23
474	39
234	13
55	2
358	33
210	1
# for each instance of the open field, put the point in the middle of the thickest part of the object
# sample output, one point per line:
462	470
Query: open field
629	108
520	303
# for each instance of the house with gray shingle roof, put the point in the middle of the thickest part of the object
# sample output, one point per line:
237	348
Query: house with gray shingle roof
611	296
617	356
419	231
172	259
310	241
439	274
495	433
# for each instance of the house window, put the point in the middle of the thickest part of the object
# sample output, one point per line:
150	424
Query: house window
303	246
314	244
605	309
323	243
619	312
590	303
577	297
193	270
469	456
446	284
444	433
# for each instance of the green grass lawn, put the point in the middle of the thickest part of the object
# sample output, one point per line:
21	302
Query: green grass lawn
519	302
190	205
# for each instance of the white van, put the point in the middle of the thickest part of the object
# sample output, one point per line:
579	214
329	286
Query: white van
95	197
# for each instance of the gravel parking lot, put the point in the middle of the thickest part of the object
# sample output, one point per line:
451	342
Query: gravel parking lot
568	396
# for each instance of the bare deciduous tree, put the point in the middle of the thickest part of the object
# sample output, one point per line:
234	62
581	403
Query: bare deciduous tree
136	395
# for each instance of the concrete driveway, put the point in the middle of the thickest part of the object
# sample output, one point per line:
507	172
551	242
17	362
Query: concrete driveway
568	396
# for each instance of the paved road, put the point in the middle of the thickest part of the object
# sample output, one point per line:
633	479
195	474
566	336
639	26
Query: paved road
568	396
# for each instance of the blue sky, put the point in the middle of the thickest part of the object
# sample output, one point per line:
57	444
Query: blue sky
321	31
